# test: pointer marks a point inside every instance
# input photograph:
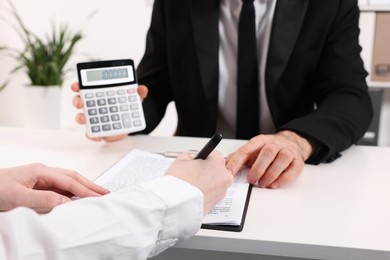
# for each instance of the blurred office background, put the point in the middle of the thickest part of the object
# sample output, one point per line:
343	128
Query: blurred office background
118	30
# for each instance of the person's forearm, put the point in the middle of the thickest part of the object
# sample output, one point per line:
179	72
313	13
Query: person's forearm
137	223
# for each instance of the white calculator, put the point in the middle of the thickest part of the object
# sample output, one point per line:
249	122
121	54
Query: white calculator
112	105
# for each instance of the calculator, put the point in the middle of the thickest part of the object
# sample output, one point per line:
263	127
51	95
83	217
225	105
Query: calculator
112	105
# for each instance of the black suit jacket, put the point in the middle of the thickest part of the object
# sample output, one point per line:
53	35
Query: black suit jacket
315	79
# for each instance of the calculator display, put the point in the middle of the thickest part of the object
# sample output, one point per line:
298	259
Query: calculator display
97	74
107	74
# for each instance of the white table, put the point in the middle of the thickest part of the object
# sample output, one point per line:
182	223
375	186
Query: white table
332	211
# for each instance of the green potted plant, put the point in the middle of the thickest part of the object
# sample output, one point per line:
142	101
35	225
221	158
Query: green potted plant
43	60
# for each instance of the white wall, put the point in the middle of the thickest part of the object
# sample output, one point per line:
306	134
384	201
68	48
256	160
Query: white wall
367	26
384	127
116	31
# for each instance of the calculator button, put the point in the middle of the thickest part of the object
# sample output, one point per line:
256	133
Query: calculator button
116	126
126	120
95	129
113	109
134	106
88	95
132	98
106	127
90	103
103	110
122	99
101	102
104	119
136	114
92	112
137	122
100	94
94	120
131	91
124	108
111	101
115	117
121	92
110	93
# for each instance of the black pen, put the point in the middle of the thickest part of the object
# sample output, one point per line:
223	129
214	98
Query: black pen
209	147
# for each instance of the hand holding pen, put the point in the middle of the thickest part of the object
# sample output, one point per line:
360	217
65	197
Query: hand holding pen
209	147
210	176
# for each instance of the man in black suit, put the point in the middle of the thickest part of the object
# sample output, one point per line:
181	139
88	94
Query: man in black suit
313	96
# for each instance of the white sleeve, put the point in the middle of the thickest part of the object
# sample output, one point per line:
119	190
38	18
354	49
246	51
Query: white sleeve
133	223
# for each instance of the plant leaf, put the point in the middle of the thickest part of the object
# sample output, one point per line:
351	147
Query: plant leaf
43	60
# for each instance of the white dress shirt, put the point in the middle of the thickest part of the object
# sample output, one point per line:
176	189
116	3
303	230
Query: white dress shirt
133	223
228	34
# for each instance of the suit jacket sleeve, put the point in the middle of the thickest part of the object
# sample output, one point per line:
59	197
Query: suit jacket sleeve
153	70
343	107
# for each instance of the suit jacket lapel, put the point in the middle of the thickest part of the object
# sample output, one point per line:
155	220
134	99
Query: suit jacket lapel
287	22
205	15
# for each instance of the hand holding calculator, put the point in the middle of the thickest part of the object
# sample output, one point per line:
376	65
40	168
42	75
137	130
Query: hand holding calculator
112	105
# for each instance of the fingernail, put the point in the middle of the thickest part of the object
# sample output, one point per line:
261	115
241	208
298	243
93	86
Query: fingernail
274	185
105	190
230	170
65	200
251	181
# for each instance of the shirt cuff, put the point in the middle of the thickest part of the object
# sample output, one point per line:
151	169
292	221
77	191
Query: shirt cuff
184	210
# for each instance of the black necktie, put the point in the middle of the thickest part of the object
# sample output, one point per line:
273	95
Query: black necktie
247	122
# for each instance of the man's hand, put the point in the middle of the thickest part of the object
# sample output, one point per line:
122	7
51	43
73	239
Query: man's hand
210	176
80	118
274	160
42	188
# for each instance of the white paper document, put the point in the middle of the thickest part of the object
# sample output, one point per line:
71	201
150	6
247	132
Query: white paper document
139	166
